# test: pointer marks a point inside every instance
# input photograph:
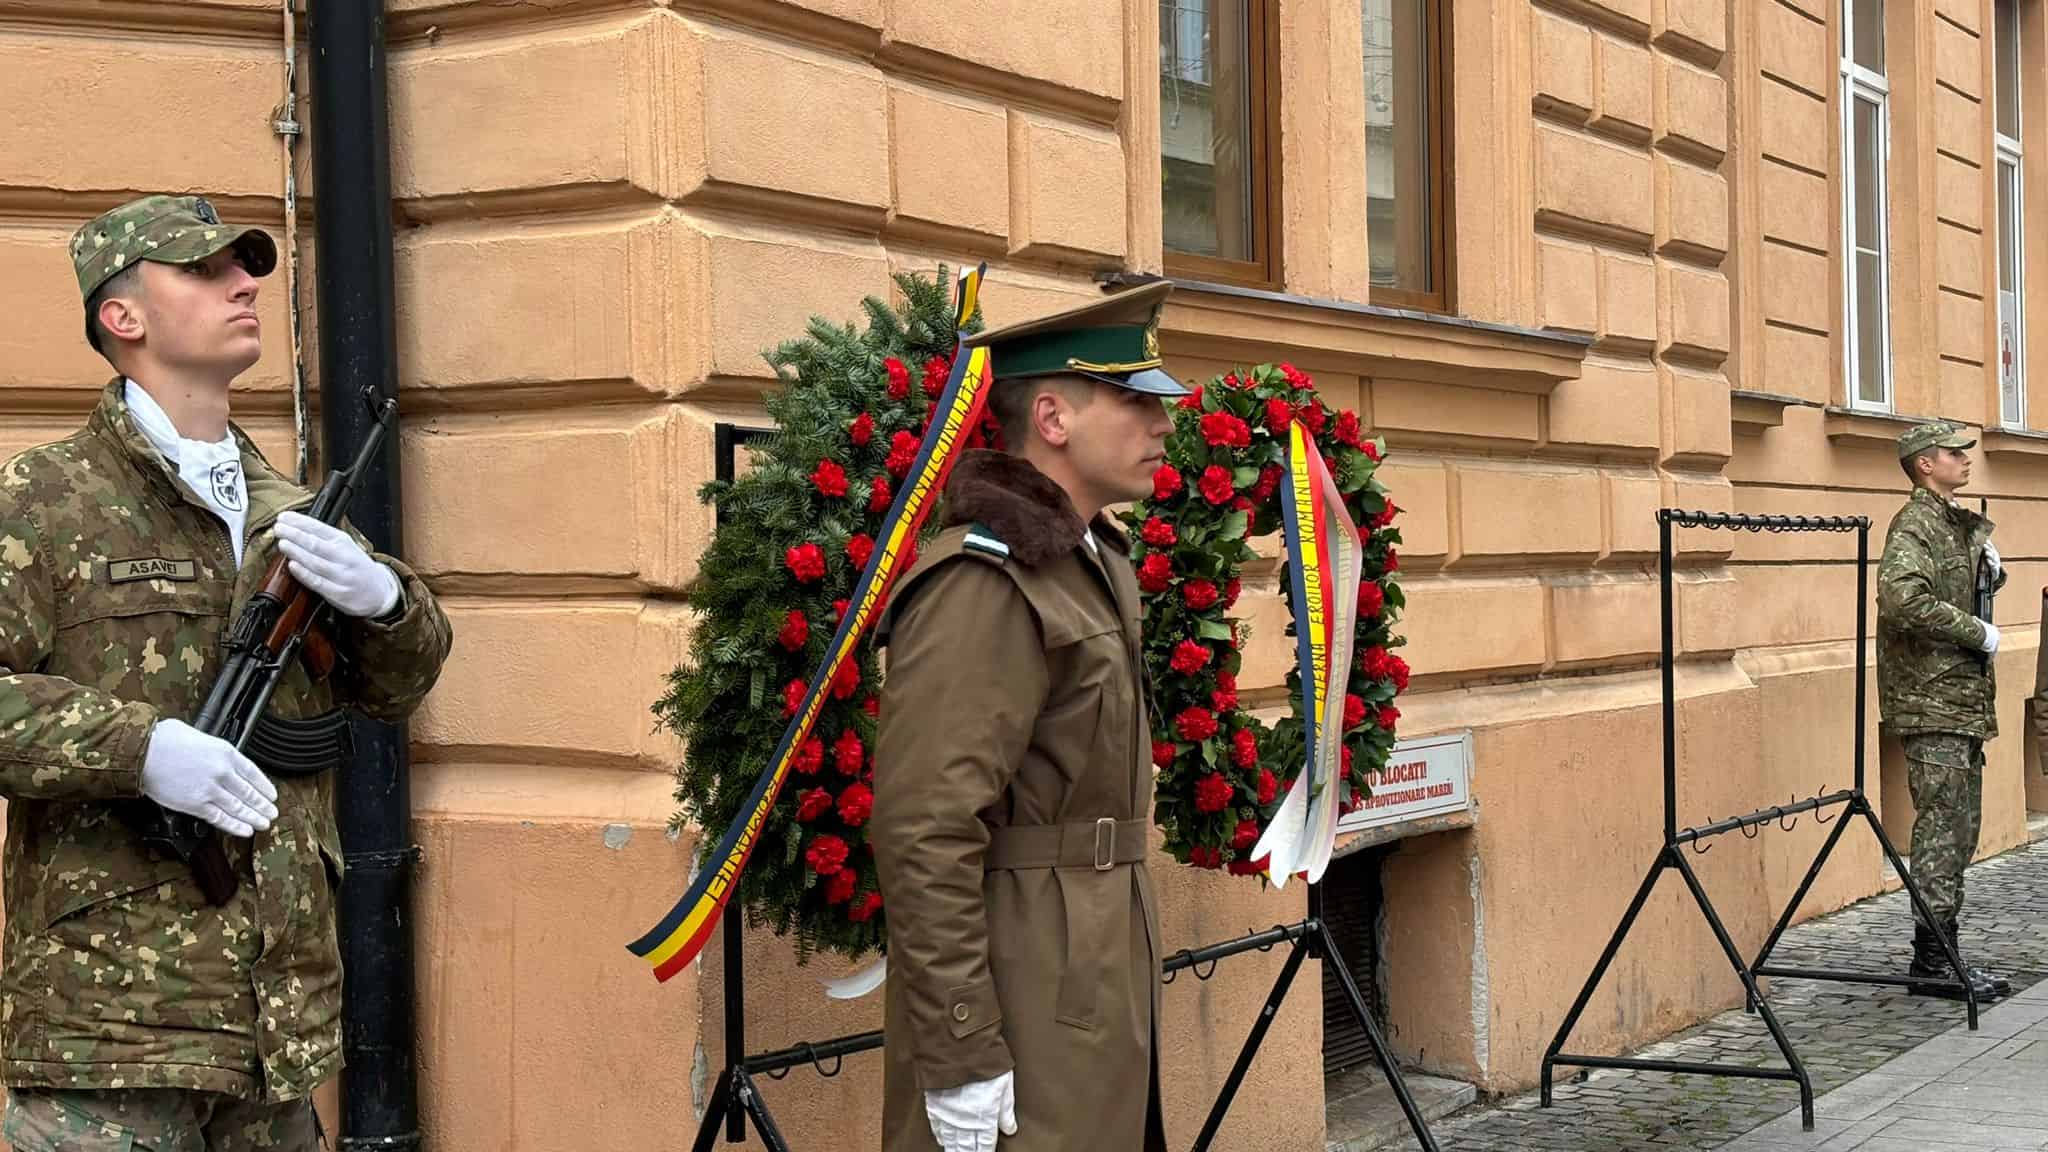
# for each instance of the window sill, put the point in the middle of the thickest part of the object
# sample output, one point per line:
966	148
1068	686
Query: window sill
1874	427
2014	442
1752	412
1224	321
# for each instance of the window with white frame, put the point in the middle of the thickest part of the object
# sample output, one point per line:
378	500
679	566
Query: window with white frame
2012	392
1866	132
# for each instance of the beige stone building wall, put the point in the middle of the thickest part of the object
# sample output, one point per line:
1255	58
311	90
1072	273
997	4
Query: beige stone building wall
608	209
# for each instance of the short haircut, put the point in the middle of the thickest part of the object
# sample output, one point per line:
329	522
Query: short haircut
1910	465
126	282
1011	402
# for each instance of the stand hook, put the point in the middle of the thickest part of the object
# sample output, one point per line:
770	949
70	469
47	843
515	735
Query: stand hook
1817	818
1700	847
1784	827
1752	831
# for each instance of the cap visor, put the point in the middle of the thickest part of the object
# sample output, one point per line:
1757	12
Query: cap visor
1151	382
257	250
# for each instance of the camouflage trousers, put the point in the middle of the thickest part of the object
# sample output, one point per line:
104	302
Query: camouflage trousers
1946	774
155	1120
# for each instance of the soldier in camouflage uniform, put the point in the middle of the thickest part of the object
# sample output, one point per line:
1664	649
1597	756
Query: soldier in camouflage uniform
1935	686
133	1013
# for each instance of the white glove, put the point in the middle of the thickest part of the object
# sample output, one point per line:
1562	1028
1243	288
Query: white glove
330	562
188	771
965	1119
1991	554
1990	637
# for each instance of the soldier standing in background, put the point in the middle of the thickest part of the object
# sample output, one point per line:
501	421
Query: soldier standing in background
1935	685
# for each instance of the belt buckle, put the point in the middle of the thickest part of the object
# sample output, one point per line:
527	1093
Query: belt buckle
1105	843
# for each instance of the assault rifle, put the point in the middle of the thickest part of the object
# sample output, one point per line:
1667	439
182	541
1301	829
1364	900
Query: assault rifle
278	625
1987	582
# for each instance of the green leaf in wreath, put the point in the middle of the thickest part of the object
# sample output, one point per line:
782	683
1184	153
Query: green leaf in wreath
1213	630
1244	477
1233	526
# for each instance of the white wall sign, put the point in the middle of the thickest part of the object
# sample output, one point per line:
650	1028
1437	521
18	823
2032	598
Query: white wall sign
1428	776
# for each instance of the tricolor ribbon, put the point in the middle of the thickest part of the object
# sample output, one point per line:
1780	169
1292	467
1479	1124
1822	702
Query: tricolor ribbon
1325	560
670	945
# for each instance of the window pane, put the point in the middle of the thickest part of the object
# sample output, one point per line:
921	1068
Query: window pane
1866	19
1870	325
2007	47
1869	190
1399	173
1205	127
2008	225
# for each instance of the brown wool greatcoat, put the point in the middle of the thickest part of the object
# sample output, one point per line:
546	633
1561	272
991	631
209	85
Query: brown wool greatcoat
1012	791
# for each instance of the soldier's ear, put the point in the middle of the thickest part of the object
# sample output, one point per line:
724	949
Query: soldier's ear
121	317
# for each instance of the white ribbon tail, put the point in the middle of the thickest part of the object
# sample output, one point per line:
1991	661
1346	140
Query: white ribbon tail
1281	844
858	984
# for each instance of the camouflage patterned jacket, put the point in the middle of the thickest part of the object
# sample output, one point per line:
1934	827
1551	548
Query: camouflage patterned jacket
115	971
1930	673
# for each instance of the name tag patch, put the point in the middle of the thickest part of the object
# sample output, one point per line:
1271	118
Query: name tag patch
157	568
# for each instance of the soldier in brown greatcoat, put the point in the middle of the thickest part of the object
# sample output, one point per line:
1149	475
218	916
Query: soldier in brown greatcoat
1012	772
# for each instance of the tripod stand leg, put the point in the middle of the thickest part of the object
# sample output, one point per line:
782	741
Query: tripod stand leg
1763	1007
748	1098
1628	920
1949	947
1251	1045
714	1114
1330	955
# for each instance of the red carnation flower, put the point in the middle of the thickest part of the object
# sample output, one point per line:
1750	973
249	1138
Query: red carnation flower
1347	431
1315	416
872	705
1195	724
1163	752
1389	716
1279	414
1232	380
1156	573
1393	561
1190	657
1165	482
936	371
1296	376
1248	867
1244	748
1223	430
839	887
848	754
1158	533
1193	400
1245	835
839	608
1354	711
866	909
1386	515
1373	662
829	479
1216	485
846	680
1370	599
1231	588
1213	793
859	548
1269	482
1224	698
810	756
814	803
826	855
1205	857
1398	669
793	696
1372	451
1199	594
899	378
879	494
806	562
863	430
902	454
1344	758
1269	786
795	631
856	804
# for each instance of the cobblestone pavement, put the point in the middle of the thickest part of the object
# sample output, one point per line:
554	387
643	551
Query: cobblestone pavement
1839	1030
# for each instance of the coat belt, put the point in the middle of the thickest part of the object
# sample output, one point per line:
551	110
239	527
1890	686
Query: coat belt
1099	844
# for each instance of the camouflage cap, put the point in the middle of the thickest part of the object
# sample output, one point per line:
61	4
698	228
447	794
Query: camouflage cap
1938	434
167	230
